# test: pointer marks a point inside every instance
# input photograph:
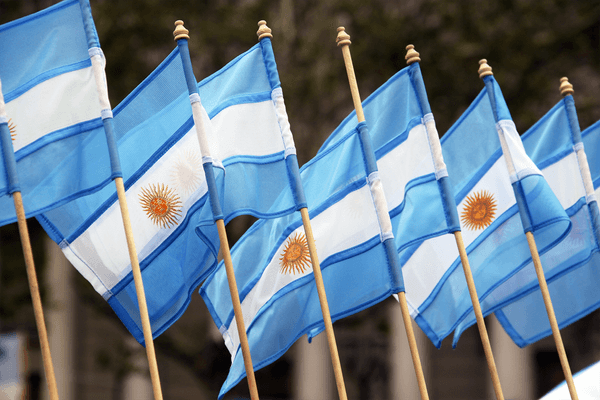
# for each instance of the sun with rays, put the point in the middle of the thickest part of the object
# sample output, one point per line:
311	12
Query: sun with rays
187	172
295	258
479	210
13	129
161	204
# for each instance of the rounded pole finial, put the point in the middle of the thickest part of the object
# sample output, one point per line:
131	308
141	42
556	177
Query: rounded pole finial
263	30
411	55
565	87
484	68
343	38
180	32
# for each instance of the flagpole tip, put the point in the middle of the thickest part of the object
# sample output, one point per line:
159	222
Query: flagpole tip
343	38
180	32
484	68
565	87
263	30
411	55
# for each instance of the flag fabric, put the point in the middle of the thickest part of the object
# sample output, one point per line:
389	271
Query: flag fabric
277	290
587	382
166	187
53	108
572	268
487	198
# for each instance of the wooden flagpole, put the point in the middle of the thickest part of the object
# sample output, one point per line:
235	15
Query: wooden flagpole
139	289
560	348
413	56
264	31
135	266
35	296
107	120
181	37
485	70
343	41
485	340
11	167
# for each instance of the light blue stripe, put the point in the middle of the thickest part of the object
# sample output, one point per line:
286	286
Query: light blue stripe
22	62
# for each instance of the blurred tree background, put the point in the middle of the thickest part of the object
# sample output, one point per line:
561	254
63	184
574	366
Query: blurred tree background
530	45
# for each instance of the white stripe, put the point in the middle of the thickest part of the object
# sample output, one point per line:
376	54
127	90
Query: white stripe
381	207
100	253
517	160
282	118
435	146
584	169
430	262
344	225
2	106
98	64
250	129
203	127
565	180
405	162
54	104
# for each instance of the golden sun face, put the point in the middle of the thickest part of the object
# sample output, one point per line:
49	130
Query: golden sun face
161	204
295	258
479	211
13	129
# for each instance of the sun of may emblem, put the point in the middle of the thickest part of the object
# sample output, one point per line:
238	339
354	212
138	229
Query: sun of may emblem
187	172
479	211
295	258
161	204
13	129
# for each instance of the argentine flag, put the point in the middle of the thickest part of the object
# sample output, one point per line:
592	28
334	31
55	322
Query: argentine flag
572	268
477	150
52	109
166	188
273	270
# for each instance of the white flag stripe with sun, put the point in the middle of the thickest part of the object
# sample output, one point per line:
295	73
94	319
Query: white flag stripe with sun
435	255
179	169
334	230
40	110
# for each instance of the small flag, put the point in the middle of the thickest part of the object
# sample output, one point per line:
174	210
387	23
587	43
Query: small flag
571	268
492	228
273	272
52	109
166	188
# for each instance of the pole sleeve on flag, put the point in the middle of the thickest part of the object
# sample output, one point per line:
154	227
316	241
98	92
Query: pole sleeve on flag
441	172
264	37
88	24
291	160
7	149
566	89
98	65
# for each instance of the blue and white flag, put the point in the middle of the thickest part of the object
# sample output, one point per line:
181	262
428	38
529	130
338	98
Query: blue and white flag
166	187
53	108
587	382
572	268
486	195
347	206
